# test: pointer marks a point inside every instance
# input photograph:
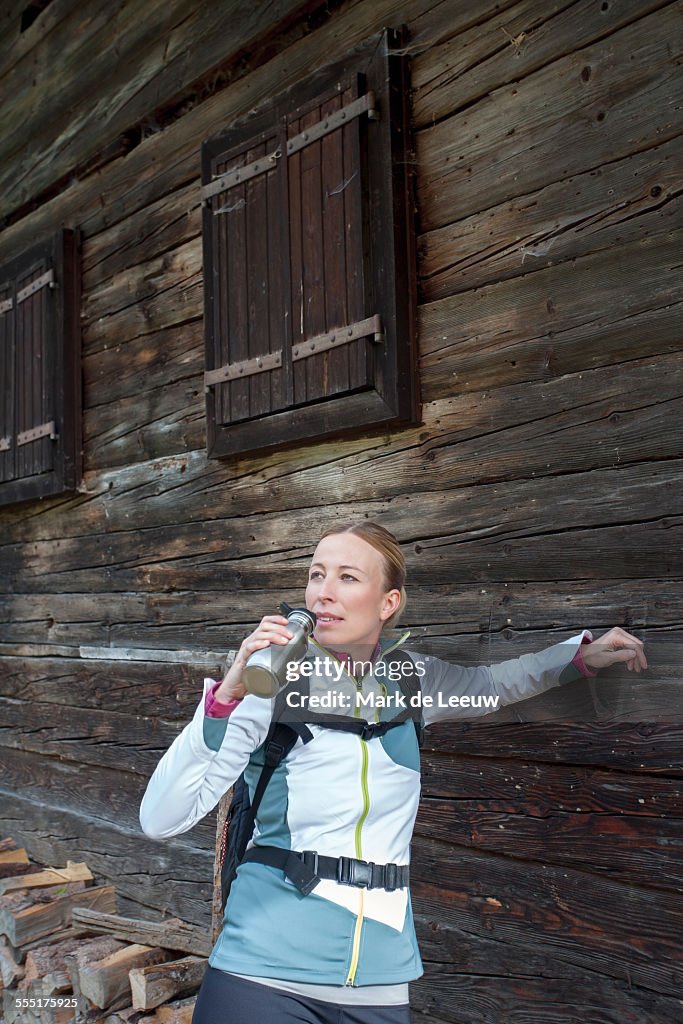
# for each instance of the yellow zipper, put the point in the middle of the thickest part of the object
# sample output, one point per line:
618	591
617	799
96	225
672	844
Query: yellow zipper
355	949
359	856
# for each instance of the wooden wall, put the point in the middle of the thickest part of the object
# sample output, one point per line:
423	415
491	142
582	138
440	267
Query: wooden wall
541	492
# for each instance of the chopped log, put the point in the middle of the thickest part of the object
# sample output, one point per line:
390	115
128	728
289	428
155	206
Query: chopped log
33	922
106	980
170	934
14	868
128	1015
10	970
69	933
88	952
47	958
46	994
156	984
8	844
13	862
50	876
173	1013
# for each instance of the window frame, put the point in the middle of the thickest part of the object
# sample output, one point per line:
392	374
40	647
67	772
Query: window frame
390	267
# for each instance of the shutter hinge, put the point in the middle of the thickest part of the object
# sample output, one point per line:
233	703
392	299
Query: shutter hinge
245	368
44	430
6	305
48	278
339	336
239	175
5	443
331	122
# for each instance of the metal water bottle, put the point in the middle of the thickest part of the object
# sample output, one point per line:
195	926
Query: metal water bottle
265	672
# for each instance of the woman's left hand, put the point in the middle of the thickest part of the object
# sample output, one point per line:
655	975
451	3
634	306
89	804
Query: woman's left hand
614	646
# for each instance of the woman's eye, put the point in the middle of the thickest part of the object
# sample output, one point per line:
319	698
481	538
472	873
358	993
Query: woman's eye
346	576
315	575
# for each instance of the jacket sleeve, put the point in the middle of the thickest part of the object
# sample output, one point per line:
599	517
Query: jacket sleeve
201	764
453	691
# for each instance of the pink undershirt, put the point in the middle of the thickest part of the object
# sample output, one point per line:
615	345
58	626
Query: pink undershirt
217	709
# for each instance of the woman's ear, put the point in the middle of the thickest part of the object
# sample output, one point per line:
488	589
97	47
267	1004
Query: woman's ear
392	600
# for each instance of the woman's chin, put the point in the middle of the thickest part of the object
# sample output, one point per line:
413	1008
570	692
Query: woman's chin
331	630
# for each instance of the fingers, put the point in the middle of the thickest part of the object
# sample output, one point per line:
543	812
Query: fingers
619	640
630	656
272	629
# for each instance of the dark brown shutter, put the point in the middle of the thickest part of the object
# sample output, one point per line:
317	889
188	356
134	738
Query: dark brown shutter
7	441
35	416
243	281
40	398
326	224
316	187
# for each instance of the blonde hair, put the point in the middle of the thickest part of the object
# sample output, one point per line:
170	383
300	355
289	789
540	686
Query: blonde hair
392	557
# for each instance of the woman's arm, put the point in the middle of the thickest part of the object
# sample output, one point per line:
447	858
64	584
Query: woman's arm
458	692
200	766
213	749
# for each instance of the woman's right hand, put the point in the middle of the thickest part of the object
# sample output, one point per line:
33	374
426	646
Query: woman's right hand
271	629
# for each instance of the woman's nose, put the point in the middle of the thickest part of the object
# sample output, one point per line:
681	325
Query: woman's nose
326	592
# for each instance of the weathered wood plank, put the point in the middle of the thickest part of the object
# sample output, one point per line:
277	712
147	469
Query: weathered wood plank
16	41
634	548
517	513
162	292
109	794
87	737
643	747
168	224
617	203
433	614
143	364
163	690
545	325
173	876
518	785
587	921
170	933
447	995
471	161
511	45
625	848
517	507
162	419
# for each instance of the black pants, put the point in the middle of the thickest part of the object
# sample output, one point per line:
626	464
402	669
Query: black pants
225	999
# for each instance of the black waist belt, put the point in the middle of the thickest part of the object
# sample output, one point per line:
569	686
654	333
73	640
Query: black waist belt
306	869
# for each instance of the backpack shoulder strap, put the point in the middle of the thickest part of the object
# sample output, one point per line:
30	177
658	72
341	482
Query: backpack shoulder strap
279	740
410	688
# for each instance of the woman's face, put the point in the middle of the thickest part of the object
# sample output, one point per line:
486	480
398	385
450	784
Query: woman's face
346	590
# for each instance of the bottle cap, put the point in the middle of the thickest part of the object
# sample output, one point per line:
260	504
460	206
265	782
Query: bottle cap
298	613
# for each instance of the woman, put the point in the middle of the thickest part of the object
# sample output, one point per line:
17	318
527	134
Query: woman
345	952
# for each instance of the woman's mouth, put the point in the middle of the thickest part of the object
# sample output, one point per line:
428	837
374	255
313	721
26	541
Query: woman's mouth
326	620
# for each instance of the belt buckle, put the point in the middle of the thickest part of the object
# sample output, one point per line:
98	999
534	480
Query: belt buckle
354	872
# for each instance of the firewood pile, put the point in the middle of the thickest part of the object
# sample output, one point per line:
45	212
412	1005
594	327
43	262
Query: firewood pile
66	957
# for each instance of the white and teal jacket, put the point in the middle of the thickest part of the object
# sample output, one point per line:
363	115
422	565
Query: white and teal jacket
340	795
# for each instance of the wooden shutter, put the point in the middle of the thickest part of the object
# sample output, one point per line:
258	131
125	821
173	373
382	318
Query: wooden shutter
326	227
7	446
40	365
243	281
35	397
317	186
